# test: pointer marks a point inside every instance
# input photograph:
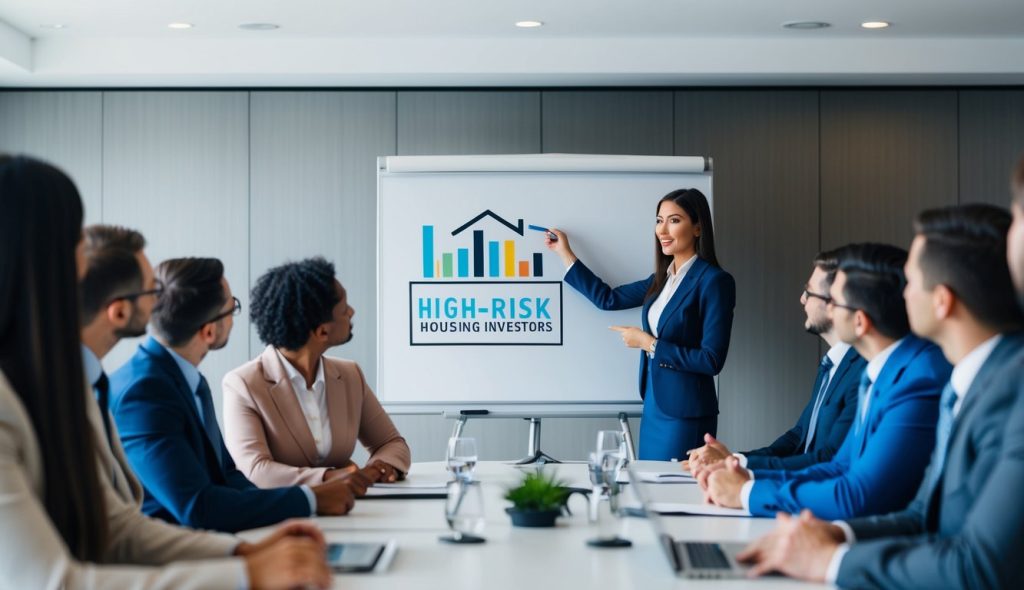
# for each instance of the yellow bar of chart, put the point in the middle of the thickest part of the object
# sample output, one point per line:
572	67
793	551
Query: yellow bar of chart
510	258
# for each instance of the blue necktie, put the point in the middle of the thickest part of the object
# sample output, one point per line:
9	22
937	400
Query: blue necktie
820	385
942	432
862	399
210	419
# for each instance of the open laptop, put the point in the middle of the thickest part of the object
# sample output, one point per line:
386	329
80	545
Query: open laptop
690	559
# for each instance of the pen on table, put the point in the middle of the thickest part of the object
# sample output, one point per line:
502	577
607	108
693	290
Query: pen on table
551	234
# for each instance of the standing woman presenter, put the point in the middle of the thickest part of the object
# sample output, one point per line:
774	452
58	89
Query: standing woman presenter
686	323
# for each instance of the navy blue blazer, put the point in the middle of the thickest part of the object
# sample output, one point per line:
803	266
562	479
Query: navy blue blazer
693	333
882	461
834	419
173	457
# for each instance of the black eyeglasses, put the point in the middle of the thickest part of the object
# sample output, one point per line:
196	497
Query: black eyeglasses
833	303
134	296
809	294
235	310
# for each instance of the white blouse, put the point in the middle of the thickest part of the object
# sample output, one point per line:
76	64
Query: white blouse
654	312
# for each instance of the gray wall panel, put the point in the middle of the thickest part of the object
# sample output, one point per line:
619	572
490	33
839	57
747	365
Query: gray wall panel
885	156
176	167
468	122
765	150
314	193
607	122
991	141
63	128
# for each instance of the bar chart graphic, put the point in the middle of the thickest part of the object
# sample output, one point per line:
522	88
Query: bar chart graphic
483	257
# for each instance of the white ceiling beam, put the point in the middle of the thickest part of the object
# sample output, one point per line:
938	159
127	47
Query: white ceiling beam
476	61
15	48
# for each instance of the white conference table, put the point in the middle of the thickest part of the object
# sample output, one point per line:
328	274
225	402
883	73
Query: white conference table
523	558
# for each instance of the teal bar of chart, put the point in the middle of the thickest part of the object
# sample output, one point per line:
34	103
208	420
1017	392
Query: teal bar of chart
463	262
493	257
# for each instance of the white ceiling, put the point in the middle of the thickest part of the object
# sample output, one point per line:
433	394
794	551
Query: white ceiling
474	42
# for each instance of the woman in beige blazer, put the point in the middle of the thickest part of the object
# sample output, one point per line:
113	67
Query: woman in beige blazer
63	524
292	415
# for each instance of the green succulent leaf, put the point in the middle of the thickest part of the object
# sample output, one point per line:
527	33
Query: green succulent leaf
538	492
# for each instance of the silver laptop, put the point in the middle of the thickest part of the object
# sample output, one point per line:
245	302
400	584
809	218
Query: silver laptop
690	559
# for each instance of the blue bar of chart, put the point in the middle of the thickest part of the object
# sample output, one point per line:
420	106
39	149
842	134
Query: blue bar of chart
478	253
428	251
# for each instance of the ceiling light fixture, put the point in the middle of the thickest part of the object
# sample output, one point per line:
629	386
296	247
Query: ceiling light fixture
180	26
529	24
806	25
54	26
875	24
258	26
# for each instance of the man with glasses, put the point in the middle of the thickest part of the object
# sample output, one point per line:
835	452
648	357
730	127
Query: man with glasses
118	294
829	413
881	462
165	414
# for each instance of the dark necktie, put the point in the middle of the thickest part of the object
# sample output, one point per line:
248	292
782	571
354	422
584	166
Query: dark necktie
102	389
942	432
210	419
820	386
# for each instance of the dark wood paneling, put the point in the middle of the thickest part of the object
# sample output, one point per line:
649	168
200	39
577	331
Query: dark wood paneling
468	122
991	142
607	122
885	156
765	150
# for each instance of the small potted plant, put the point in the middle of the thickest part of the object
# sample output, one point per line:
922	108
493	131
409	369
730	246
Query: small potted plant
537	501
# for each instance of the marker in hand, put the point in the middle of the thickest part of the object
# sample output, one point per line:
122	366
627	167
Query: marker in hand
551	234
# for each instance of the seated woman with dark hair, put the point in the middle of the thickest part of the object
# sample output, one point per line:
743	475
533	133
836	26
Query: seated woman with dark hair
292	415
64	525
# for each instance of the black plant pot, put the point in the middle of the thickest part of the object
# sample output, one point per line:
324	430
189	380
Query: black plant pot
533	518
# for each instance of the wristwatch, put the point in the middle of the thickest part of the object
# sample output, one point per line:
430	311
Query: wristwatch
654	345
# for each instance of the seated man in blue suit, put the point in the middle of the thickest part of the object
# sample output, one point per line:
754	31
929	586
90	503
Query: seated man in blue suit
965	527
880	464
164	412
823	425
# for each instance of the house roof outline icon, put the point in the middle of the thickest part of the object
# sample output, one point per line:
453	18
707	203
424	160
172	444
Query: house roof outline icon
488	213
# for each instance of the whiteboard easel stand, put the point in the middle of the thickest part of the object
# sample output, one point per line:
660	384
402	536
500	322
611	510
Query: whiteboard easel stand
534	454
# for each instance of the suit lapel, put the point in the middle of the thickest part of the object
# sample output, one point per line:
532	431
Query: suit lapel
890	375
283	395
335	388
843	368
1006	347
689	282
163	359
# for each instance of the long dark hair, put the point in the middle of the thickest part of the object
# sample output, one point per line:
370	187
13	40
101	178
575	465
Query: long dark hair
40	354
695	205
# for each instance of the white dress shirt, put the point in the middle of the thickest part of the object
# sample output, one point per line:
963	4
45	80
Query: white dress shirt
313	402
961	379
874	369
674	279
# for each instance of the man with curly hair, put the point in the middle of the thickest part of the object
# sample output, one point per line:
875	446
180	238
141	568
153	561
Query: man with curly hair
292	415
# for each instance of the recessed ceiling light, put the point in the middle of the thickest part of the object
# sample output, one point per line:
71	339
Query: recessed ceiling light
179	26
54	26
806	25
258	26
875	24
529	24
